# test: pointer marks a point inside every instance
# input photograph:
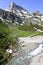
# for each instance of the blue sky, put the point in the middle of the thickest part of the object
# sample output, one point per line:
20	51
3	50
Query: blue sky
30	5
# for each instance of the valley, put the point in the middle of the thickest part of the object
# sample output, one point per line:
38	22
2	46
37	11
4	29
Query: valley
21	36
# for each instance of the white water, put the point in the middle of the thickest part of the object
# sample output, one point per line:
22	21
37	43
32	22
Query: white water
37	50
24	58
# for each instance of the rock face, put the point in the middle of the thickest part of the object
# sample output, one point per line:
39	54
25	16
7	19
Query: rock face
17	14
9	17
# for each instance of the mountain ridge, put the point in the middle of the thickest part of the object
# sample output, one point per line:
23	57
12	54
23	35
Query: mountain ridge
19	15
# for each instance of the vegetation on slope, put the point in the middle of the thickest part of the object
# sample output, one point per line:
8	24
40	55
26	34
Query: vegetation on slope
25	30
16	32
8	37
6	41
30	27
3	42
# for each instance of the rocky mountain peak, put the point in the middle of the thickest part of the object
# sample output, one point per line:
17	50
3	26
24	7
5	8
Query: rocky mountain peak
18	10
12	5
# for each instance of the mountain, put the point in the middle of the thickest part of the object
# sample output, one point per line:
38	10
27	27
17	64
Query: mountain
18	15
9	17
17	9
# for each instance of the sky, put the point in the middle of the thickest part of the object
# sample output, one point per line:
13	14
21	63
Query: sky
30	5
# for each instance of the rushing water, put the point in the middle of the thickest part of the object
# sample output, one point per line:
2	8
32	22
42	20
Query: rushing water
25	58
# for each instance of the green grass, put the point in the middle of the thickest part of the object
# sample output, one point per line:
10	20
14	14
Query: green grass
4	33
15	31
25	30
5	42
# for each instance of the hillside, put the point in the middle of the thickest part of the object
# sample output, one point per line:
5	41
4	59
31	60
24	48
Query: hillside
20	31
6	42
8	37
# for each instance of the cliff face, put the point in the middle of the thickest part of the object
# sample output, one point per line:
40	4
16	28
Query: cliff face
9	17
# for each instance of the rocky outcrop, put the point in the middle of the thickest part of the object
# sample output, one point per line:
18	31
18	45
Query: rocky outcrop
8	16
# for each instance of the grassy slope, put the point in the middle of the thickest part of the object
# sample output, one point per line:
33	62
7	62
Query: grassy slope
9	35
25	30
6	41
3	42
15	31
